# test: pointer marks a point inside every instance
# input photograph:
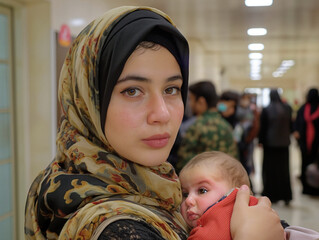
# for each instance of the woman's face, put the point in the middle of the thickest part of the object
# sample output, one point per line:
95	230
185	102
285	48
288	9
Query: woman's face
146	107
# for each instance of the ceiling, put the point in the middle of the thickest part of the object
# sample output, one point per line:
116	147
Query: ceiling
220	28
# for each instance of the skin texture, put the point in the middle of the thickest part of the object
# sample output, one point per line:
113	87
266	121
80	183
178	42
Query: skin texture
201	188
146	107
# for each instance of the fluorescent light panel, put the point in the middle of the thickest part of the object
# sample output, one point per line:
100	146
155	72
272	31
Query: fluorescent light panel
255	55
255	62
283	68
258	3
257	31
256	46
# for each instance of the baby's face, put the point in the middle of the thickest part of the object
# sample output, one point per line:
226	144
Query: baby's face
201	188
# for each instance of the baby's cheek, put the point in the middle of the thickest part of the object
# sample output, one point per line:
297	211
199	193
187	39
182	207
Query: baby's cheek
183	209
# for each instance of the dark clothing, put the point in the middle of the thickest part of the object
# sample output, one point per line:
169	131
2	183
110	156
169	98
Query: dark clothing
307	157
276	174
275	125
274	135
129	230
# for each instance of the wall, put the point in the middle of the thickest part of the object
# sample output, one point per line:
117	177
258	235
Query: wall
32	74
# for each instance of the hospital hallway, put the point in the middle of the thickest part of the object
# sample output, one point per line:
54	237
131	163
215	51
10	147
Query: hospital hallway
303	209
247	47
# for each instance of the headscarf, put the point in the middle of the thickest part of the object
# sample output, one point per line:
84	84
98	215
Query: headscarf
274	96
136	27
88	183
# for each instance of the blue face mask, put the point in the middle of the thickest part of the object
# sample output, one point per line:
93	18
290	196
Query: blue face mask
221	107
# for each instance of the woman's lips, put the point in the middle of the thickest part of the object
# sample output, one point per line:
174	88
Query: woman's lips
157	141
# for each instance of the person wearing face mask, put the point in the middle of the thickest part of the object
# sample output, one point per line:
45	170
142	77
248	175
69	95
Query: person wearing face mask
227	106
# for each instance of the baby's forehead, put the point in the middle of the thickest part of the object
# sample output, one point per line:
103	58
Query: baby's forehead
199	173
203	165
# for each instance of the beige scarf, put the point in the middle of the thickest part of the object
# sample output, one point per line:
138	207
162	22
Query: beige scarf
87	183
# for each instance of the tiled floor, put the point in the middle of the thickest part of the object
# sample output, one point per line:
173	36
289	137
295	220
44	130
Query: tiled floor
303	210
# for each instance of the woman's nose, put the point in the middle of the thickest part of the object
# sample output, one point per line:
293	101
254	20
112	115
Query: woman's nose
158	110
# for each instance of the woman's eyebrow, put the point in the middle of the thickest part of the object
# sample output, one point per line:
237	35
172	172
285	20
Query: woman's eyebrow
134	78
174	78
144	79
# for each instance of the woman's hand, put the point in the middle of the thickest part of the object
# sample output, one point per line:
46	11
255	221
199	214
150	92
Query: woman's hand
254	222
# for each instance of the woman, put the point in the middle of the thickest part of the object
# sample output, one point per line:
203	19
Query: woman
274	136
122	89
306	128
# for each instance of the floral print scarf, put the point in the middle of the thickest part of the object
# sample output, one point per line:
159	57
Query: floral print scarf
87	183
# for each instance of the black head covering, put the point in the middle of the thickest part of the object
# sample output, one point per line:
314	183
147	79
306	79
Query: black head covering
312	96
122	40
274	96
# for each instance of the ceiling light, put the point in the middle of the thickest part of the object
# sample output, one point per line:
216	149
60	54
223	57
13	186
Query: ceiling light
255	69
257	31
277	74
288	63
283	68
255	56
77	22
258	3
255	76
255	62
256	46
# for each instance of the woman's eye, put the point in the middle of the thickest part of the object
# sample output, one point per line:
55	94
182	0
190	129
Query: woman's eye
131	92
172	90
202	190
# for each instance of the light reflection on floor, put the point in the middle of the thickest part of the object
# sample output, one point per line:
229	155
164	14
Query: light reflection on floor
303	210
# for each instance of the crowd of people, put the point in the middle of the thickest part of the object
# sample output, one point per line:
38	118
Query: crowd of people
231	122
123	93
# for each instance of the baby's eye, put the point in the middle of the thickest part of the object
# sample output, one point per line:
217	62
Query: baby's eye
172	90
202	191
131	92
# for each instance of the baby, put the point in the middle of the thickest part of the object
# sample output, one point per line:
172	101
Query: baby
209	184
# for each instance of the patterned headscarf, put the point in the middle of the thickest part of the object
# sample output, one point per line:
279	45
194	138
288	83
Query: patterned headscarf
88	184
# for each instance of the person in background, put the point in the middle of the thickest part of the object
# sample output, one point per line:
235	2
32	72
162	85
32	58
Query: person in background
227	106
306	132
246	130
210	131
274	137
122	89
